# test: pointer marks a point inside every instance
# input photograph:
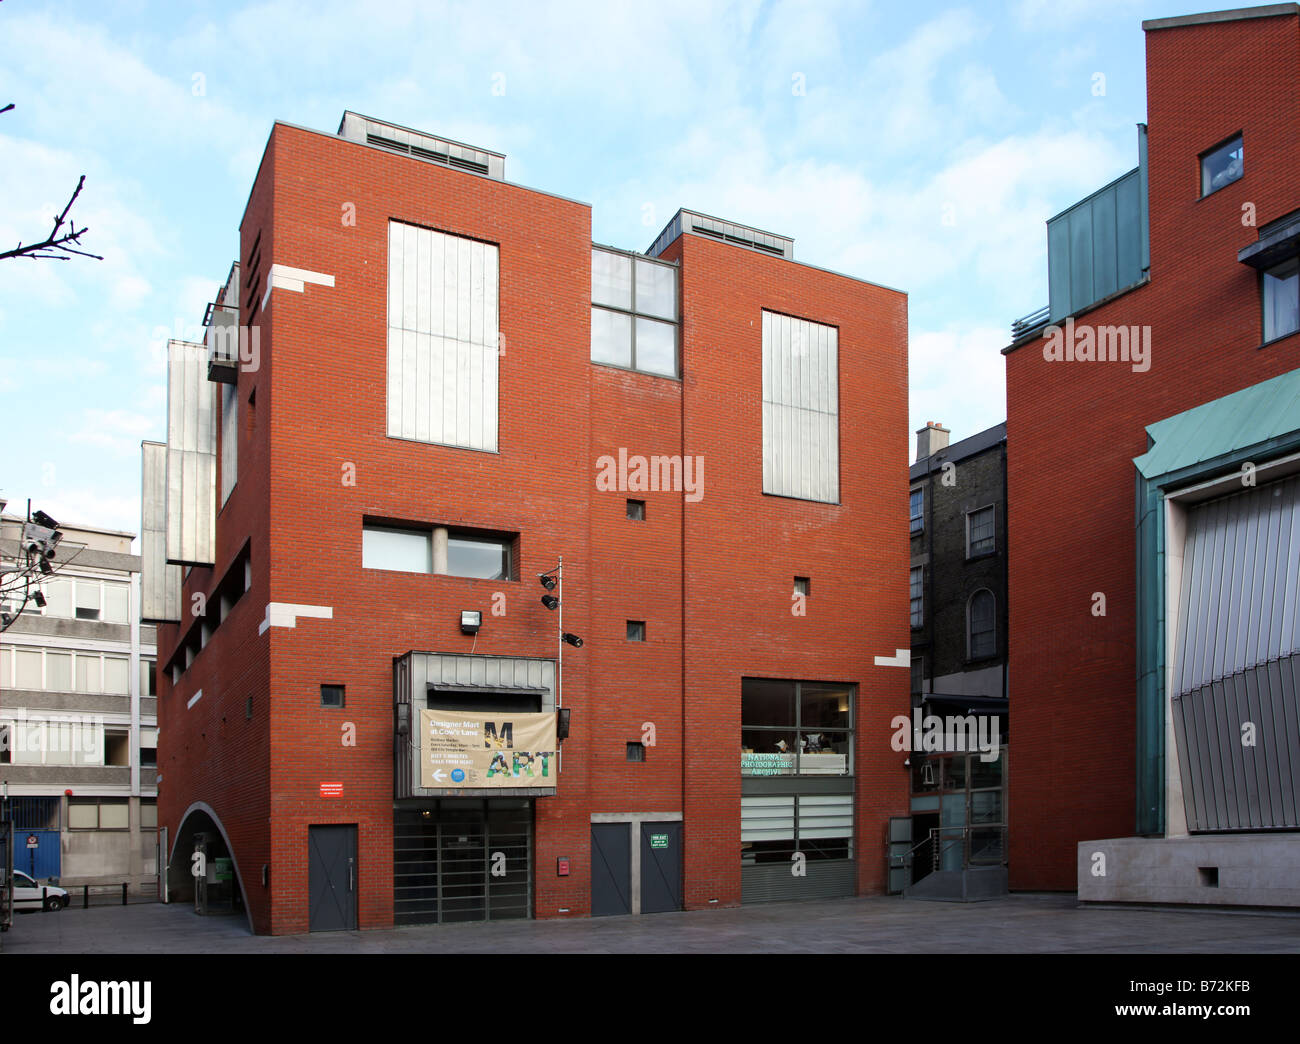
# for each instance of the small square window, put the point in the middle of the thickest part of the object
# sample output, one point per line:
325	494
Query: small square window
1222	165
331	695
636	630
636	752
802	586
636	510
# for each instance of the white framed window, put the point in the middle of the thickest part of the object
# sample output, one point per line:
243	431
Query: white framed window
916	510
403	550
981	615
981	535
917	590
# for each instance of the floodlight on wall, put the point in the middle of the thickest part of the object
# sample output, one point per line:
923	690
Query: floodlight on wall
550	601
45	565
470	621
42	519
39	598
547	581
572	639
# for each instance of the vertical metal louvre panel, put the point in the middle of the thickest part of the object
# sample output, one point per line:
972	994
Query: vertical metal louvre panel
191	456
442	338
229	439
160	583
800	408
1236	661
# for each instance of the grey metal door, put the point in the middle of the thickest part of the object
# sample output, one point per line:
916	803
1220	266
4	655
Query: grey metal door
332	878
611	869
661	867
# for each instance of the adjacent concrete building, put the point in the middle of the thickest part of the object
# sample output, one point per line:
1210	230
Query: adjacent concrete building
78	728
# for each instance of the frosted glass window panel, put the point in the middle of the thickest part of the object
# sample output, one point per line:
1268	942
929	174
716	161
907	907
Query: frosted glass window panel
83	815
28	674
656	347
116	675
117	603
481	559
58	671
148	815
611	337
656	290
114	815
611	279
404	550
443	338
6	668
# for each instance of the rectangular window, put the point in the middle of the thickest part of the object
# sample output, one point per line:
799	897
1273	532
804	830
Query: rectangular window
117	603
918	596
1222	165
802	586
636	630
795	728
403	550
88	599
229	439
983	628
58	599
775	826
149	678
58	671
980	536
918	674
636	510
117	675
442	338
916	507
636	752
481	558
148	814
99	814
633	312
801	424
1280	290
117	746
331	695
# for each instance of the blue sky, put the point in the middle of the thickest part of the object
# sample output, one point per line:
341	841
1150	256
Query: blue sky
917	145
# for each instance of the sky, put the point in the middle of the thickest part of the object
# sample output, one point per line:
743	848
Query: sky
921	146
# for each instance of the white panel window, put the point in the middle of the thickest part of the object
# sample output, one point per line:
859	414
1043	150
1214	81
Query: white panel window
117	603
88	674
116	675
58	671
58	598
83	815
405	550
28	674
88	599
114	815
442	338
801	424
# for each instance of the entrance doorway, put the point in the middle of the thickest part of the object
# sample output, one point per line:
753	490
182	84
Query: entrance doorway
332	878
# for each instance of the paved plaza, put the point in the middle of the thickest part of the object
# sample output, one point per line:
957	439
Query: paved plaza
1026	923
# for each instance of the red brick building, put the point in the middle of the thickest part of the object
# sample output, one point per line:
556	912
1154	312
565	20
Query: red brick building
442	389
1171	253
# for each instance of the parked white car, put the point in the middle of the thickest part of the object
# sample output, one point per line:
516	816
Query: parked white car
28	894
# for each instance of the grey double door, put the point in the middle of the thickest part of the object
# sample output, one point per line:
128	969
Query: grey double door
640	877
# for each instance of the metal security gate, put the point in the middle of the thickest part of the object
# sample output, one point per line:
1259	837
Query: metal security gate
463	860
611	869
332	878
36	817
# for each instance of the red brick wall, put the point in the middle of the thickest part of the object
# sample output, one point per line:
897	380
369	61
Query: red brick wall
1074	427
712	580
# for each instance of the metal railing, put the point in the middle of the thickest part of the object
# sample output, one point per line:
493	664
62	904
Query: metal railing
982	844
1032	321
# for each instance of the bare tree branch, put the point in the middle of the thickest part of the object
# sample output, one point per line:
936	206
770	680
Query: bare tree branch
55	247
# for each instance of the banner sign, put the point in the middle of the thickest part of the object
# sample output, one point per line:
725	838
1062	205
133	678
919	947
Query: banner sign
504	750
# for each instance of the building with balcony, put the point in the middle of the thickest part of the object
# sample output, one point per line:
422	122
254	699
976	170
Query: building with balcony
78	730
434	429
1153	434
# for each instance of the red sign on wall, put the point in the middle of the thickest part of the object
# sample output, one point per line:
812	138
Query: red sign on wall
331	790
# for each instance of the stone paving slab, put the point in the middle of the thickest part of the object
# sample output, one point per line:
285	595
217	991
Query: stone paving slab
1022	923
